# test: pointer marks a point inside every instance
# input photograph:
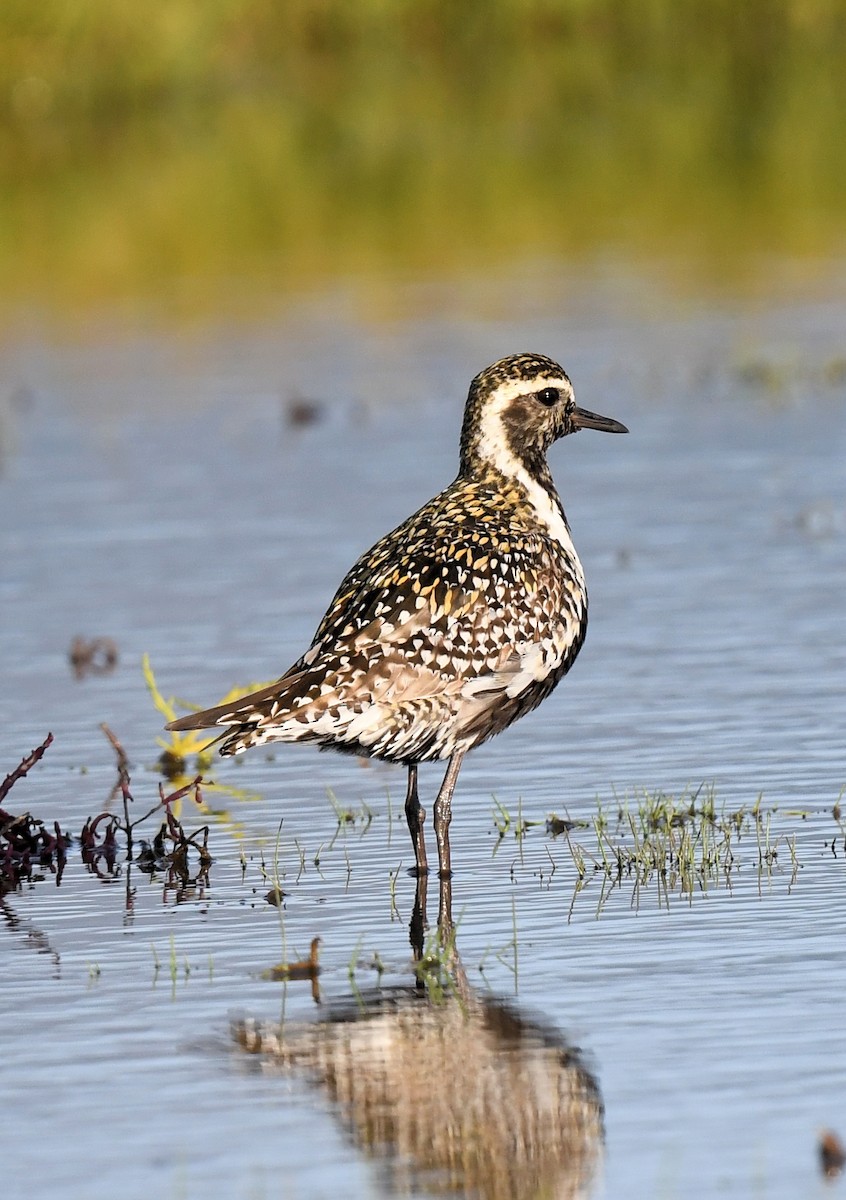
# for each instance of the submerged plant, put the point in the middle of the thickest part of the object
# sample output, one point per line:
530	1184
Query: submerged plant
350	816
176	755
191	743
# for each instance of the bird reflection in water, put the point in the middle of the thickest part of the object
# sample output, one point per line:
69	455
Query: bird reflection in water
454	1090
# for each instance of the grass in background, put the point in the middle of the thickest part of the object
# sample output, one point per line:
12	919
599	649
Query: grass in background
199	155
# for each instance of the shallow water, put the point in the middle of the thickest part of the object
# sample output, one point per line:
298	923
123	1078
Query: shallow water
155	493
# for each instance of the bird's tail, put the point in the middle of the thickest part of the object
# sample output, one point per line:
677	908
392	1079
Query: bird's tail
248	719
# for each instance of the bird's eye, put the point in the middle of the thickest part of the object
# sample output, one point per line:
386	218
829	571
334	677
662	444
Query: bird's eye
548	396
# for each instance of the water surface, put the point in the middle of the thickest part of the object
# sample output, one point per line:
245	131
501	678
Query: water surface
157	493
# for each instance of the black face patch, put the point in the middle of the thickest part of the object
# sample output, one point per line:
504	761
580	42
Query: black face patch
525	425
533	419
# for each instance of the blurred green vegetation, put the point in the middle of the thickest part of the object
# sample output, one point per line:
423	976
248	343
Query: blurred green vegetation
194	154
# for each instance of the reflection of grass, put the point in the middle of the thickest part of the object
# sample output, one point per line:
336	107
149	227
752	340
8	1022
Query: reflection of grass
510	952
162	150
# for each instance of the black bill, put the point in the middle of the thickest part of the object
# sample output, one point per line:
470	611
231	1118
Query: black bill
582	419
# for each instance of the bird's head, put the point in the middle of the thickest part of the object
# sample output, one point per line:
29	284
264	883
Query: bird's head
517	408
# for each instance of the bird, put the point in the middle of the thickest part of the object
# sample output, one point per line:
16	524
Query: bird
455	624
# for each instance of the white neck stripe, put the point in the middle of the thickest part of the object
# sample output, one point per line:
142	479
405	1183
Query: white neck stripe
493	448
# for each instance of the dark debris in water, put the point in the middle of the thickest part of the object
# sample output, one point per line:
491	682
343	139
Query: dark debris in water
171	850
832	1154
306	968
275	897
23	767
28	846
556	825
92	656
301	411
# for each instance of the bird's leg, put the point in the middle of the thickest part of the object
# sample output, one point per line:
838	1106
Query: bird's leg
443	813
446	929
446	937
418	925
415	815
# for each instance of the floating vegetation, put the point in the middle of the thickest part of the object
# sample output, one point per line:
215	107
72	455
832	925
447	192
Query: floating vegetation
275	896
171	829
171	851
556	825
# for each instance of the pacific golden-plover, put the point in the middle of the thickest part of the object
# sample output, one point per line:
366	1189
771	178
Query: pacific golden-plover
455	624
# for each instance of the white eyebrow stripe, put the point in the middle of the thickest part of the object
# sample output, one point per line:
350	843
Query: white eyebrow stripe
506	392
